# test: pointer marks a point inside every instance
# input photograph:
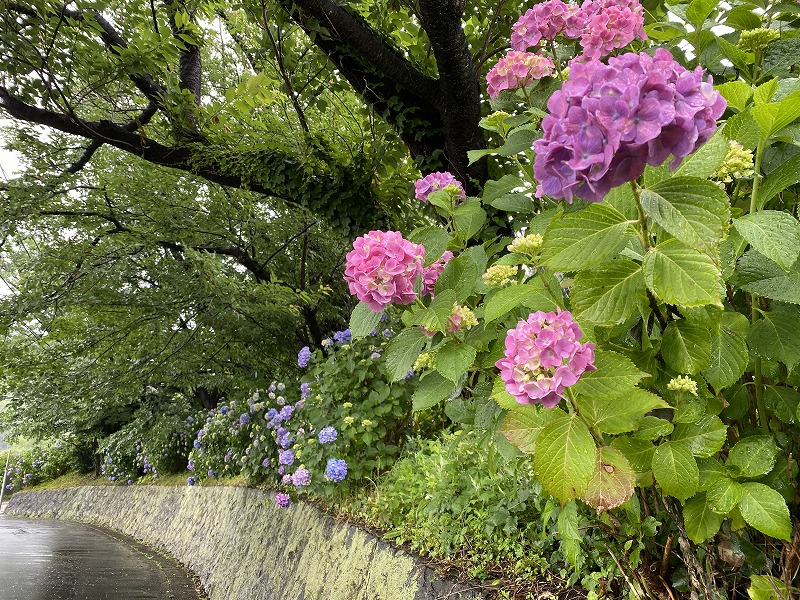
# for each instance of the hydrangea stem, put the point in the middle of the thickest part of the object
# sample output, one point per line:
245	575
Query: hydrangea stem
758	380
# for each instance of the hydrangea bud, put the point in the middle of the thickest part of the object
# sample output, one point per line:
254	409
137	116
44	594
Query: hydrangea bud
424	361
738	164
461	318
498	276
530	244
682	383
756	40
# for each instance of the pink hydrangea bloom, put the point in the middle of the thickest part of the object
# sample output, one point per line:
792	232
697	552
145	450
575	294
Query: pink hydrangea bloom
610	24
543	356
382	269
544	21
609	121
435	182
430	274
517	69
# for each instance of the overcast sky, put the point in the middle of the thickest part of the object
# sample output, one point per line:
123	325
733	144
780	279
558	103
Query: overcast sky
8	160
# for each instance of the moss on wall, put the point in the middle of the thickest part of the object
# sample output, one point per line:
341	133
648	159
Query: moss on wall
244	547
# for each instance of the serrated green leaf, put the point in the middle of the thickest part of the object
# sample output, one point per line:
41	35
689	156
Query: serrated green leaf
363	320
638	452
621	413
736	93
774	116
767	587
781	55
453	359
686	347
531	295
693	210
609	293
652	428
523	425
776	336
723	495
742	60
787	174
581	239
402	351
765	509
564	458
707	158
675	470
432	389
782	402
520	140
612	482
462	273
514	202
752	456
469	218
743	18
710	471
495	189
501	396
681	275
701	522
757	274
764	92
436	316
704	438
773	233
435	240
699	10
729	358
614	375
744	129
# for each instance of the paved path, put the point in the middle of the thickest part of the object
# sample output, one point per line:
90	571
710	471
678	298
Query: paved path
57	560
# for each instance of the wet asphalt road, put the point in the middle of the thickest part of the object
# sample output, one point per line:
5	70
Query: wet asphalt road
57	560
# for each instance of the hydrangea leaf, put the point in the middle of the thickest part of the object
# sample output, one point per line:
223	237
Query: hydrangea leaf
767	587
618	414
757	274
496	188
788	173
363	320
531	295
729	358
744	129
432	389
774	116
776	336
693	210
699	10
436	315
564	457
468	218
514	202
462	273
742	60
701	522
609	293
742	17
723	495
782	402
501	396
675	470
680	275
652	428
523	425
752	456
403	350
737	94
435	240
703	438
711	470
765	509
453	359
686	347
781	55
638	452
773	233
612	482
709	156
584	238
615	375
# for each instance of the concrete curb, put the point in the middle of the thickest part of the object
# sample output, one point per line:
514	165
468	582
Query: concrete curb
243	547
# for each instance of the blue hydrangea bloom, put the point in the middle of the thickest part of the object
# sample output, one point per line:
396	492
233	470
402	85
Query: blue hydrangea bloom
191	480
304	356
343	336
327	435
336	470
285	457
244	419
305	390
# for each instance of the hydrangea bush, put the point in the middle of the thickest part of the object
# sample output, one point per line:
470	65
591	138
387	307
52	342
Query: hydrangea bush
644	334
43	462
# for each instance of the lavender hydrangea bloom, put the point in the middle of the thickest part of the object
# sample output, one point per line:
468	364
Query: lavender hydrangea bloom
191	480
343	337
287	412
223	410
336	470
286	457
283	500
327	435
244	419
303	357
305	390
607	122
301	477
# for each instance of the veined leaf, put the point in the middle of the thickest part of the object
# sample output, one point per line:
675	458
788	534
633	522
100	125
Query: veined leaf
701	522
621	413
752	456
686	347
773	233
432	389
523	425
675	470
776	336
435	240
564	458
757	274
704	438
788	173
609	293
612	482
709	156
403	350
531	295
614	375
736	93
765	509
681	275
729	358
453	359
363	320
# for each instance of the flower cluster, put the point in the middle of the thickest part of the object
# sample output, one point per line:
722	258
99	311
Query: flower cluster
609	121
283	500
382	269
517	70
529	244
737	164
336	470
543	356
756	40
430	274
682	383
601	25
438	181
498	276
461	317
327	435
303	357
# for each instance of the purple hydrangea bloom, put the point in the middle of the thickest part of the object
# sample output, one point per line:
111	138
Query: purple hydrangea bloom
343	337
265	463
283	500
244	419
196	444
436	181
336	470
303	357
223	410
286	457
211	473
327	435
282	437
287	412
301	477
305	390
607	122
191	480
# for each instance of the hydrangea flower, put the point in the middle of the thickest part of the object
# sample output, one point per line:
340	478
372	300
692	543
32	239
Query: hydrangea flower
336	470
498	276
382	269
303	357
244	419
543	356
517	70
436	181
327	435
191	480
283	500
609	121
430	275
461	317
285	457
305	390
301	477
343	337
545	20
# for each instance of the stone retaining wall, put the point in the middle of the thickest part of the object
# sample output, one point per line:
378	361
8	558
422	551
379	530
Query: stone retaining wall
243	547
